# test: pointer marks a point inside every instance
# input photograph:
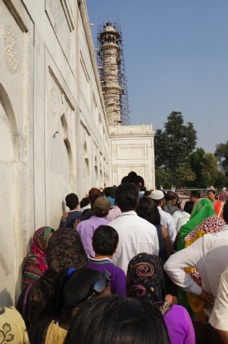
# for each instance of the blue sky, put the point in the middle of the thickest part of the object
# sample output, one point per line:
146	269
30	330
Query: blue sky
176	59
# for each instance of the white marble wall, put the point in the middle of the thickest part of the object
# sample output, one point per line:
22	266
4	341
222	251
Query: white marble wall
53	132
54	137
133	150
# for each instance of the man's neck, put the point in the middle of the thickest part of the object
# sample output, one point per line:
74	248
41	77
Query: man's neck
76	208
98	256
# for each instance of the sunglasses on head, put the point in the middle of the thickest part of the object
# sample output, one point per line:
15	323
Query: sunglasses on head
99	286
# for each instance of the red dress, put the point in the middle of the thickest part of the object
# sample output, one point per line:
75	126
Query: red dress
218	207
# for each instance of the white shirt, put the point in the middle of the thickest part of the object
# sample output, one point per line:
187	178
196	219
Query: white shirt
136	235
219	316
167	221
209	255
180	218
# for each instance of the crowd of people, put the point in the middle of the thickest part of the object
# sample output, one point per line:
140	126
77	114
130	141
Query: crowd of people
126	266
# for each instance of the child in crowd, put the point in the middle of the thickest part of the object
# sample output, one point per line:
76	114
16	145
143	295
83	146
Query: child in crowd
105	241
68	219
85	205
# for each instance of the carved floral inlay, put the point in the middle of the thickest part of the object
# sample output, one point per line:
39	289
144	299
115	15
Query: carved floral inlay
11	50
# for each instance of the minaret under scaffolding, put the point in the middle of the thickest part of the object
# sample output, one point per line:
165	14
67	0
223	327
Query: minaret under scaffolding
112	74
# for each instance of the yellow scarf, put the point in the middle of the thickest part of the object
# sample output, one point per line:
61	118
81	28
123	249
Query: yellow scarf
55	334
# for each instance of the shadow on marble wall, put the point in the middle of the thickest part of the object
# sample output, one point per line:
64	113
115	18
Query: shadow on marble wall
5	297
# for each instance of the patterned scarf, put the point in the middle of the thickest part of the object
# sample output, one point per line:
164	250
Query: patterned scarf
212	224
145	279
39	246
65	249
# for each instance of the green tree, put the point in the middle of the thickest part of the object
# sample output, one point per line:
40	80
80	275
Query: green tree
209	169
174	144
163	178
221	180
195	161
221	153
184	175
204	165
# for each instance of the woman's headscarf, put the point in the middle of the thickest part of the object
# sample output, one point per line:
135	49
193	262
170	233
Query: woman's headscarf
40	239
203	208
211	224
145	279
65	250
39	246
12	327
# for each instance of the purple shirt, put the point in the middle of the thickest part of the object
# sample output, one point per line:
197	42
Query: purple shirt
118	281
179	326
113	213
86	229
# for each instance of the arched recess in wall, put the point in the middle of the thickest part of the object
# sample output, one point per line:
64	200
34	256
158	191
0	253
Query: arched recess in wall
60	172
87	164
10	195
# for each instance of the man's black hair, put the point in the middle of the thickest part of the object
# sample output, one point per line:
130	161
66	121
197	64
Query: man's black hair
126	197
105	240
188	206
71	201
195	193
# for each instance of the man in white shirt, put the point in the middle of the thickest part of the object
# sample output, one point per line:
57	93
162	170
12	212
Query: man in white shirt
136	235
166	218
219	316
209	255
181	217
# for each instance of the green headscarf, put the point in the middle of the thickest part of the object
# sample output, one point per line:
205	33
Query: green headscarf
203	208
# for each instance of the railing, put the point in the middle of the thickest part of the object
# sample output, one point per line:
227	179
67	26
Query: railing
186	192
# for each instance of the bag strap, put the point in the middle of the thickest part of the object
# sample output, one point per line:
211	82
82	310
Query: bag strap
25	299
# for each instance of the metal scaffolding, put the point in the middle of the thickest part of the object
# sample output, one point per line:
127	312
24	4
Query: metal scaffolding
122	79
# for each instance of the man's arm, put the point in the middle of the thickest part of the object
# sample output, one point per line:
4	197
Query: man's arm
188	257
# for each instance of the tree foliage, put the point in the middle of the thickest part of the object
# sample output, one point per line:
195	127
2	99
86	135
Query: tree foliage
195	161
163	178
221	153
174	144
177	161
204	165
209	169
221	180
185	174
